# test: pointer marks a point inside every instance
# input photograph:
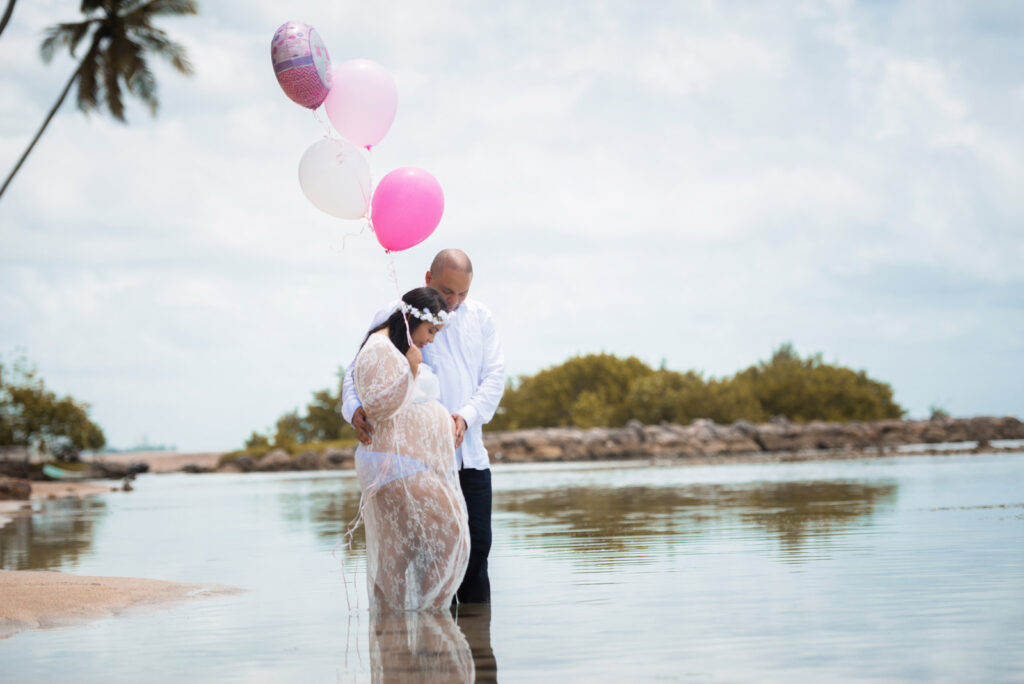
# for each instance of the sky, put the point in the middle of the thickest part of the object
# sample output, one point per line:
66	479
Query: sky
692	183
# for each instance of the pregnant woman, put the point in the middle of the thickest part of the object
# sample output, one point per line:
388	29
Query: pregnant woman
417	535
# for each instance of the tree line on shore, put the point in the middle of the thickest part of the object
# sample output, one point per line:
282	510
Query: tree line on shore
33	416
604	390
593	390
321	423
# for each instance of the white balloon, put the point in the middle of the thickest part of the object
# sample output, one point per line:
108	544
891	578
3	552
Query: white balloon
335	177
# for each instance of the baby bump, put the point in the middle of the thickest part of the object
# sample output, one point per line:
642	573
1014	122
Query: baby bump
426	503
426	431
431	413
415	419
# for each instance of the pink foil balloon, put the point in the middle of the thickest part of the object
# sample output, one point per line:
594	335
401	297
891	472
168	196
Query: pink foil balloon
406	208
362	102
301	63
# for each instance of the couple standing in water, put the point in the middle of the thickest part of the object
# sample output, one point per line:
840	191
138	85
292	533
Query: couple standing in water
429	374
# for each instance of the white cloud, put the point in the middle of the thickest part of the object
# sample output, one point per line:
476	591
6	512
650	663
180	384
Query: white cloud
696	182
913	100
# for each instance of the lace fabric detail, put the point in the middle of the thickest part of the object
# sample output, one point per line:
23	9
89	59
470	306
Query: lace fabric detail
417	532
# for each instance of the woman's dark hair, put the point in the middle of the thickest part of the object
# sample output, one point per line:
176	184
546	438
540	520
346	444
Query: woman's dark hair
422	298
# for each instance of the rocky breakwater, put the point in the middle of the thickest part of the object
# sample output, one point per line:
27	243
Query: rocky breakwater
777	439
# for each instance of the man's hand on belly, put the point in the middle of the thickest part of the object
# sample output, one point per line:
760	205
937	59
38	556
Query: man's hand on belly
362	426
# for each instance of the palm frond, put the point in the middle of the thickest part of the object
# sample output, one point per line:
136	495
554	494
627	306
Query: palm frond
142	84
88	84
157	42
129	6
92	6
50	43
61	35
158	7
131	59
112	60
77	33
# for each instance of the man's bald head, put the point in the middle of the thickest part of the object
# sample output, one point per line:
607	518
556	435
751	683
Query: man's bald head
455	259
451	274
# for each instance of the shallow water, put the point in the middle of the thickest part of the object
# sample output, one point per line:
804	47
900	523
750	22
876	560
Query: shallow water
907	568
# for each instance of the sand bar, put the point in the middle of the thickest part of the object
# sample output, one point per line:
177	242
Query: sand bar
44	489
40	599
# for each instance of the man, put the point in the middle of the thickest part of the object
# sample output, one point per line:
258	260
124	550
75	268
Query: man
468	360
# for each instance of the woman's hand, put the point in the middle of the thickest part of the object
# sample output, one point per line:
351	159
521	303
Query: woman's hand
415	357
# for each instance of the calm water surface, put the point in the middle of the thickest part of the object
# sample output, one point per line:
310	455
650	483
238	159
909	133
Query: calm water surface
908	568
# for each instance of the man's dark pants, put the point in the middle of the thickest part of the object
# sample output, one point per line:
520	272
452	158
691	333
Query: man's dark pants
476	488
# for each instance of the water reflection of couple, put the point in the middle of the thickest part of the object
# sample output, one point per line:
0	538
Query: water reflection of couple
433	646
422	467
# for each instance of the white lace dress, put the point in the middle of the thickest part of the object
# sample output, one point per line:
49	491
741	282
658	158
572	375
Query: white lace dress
417	531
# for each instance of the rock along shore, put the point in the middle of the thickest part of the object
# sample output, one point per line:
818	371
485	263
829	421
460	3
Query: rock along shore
702	440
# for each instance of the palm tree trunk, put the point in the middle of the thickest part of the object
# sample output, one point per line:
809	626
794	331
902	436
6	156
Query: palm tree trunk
53	111
7	15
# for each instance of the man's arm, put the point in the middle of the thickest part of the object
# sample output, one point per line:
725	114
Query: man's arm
491	381
349	400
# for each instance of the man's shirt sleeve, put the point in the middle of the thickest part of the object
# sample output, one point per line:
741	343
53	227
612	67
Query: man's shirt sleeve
491	381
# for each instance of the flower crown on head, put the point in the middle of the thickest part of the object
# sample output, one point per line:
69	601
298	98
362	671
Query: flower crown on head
439	318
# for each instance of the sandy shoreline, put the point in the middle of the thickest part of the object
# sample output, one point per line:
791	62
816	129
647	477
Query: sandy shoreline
40	599
161	461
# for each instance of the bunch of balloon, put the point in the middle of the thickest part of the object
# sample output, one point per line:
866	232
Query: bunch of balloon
360	99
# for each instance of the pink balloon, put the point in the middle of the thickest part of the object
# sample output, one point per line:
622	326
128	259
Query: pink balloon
362	102
301	63
406	208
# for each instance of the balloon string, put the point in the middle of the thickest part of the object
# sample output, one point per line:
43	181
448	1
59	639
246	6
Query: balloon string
392	272
368	492
393	277
383	469
366	221
369	164
345	236
327	126
346	542
369	191
369	161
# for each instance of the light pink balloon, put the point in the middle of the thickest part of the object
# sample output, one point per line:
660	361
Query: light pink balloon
406	208
362	102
